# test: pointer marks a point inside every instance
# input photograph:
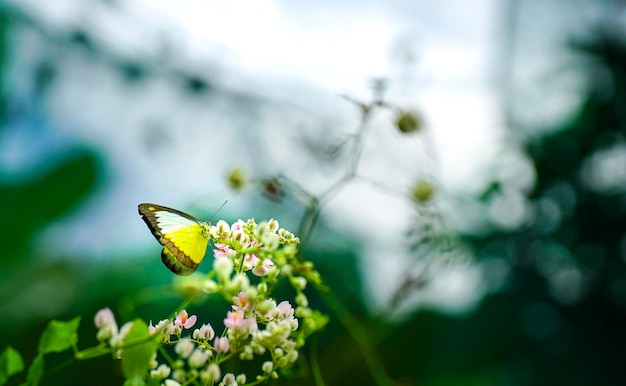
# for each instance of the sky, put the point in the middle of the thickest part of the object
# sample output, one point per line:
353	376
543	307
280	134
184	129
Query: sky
292	62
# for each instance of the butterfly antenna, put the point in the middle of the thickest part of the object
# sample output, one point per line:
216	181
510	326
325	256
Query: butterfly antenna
218	210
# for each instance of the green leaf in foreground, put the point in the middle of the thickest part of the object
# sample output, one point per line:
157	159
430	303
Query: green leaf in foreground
35	371
10	363
136	380
59	336
137	353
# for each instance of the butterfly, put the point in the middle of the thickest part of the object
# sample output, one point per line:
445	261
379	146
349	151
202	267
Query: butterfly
184	237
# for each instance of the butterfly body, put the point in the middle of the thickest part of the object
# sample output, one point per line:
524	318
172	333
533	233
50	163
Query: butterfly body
184	237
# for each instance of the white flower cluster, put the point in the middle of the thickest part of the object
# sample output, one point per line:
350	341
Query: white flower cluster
257	327
250	246
108	331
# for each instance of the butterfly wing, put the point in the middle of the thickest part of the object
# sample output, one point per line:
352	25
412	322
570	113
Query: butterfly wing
184	237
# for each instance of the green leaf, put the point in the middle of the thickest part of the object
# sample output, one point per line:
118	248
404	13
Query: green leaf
35	371
134	381
136	358
59	336
10	363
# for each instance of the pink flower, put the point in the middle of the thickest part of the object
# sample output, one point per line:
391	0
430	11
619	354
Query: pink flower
165	327
263	268
204	332
184	320
104	318
251	259
284	310
237	321
242	302
118	340
105	323
237	225
222	344
223	250
234	319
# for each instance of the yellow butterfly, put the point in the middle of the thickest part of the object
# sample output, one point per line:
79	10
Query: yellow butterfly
184	237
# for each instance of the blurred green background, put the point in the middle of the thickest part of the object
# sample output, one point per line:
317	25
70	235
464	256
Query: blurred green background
555	311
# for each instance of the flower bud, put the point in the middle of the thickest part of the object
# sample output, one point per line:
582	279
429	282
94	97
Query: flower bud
283	362
241	282
271	241
222	344
224	267
162	372
222	227
422	191
198	358
266	306
251	295
262	288
267	367
189	286
239	236
104	318
408	122
237	178
212	374
273	225
299	282
302	300
289	345
204	332
179	376
184	348
273	273
247	354
118	339
273	190
286	270
262	230
292	356
229	379
209	286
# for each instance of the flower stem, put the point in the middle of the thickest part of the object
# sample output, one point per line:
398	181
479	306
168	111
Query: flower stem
360	335
315	364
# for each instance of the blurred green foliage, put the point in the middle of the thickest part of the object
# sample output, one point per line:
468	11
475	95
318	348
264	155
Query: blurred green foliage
37	202
566	288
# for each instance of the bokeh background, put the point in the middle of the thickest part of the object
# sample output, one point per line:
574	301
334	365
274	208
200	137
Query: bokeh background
487	247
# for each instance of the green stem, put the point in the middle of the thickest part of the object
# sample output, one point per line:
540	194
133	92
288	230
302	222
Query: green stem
59	367
308	221
165	355
361	337
91	352
358	141
183	305
315	364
